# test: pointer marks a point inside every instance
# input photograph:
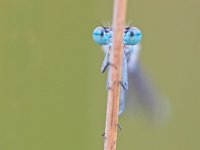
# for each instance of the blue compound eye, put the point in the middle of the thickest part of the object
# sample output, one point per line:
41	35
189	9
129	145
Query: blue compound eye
101	36
132	36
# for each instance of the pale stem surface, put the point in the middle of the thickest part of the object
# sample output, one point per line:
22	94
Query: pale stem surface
115	71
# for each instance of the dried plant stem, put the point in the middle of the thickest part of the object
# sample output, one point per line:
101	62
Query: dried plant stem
115	71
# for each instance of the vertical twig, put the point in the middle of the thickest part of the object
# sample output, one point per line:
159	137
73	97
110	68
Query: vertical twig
115	71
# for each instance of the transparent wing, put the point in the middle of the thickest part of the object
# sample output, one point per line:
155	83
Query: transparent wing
142	92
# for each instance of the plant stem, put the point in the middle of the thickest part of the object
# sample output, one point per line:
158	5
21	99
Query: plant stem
115	78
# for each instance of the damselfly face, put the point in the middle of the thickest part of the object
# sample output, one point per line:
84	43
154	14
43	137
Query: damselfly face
102	35
132	36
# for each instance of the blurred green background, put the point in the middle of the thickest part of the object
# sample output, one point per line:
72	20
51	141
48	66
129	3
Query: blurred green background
52	94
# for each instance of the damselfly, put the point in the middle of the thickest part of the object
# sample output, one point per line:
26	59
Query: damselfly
130	67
